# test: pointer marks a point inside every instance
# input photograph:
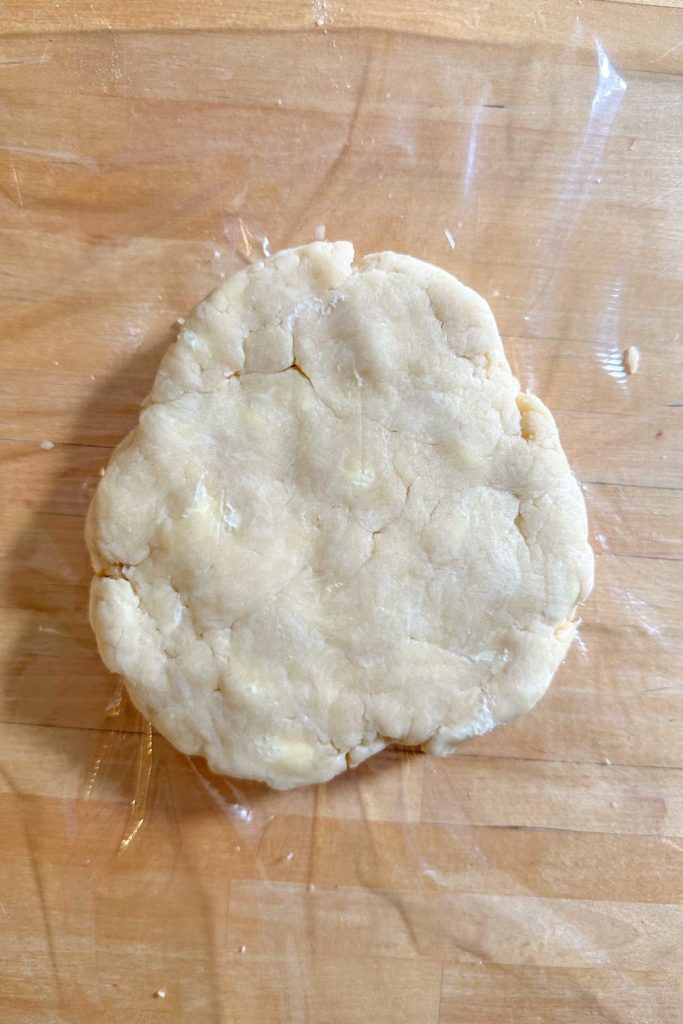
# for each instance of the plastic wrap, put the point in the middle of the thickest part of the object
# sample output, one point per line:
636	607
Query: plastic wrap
534	872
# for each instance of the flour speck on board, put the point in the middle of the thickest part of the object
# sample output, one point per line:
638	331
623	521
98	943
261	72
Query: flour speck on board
320	12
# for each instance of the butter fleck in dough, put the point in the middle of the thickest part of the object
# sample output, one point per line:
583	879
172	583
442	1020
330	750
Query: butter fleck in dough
337	525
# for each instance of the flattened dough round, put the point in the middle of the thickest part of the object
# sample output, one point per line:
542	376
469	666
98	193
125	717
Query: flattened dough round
338	523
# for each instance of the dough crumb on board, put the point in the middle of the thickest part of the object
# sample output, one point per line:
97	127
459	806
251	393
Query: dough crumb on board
631	359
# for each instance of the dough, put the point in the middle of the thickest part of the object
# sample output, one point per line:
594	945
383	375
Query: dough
338	524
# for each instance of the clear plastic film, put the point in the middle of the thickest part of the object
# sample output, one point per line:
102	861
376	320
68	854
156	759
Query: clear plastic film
539	868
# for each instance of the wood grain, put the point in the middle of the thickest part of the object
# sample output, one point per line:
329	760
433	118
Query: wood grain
146	151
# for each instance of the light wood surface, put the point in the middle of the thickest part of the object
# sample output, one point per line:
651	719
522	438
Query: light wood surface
146	150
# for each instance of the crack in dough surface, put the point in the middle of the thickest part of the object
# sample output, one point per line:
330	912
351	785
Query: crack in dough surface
338	524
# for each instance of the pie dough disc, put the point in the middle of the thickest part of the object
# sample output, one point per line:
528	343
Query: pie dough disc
338	524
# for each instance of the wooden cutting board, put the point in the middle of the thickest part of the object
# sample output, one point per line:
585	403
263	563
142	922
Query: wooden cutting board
532	148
